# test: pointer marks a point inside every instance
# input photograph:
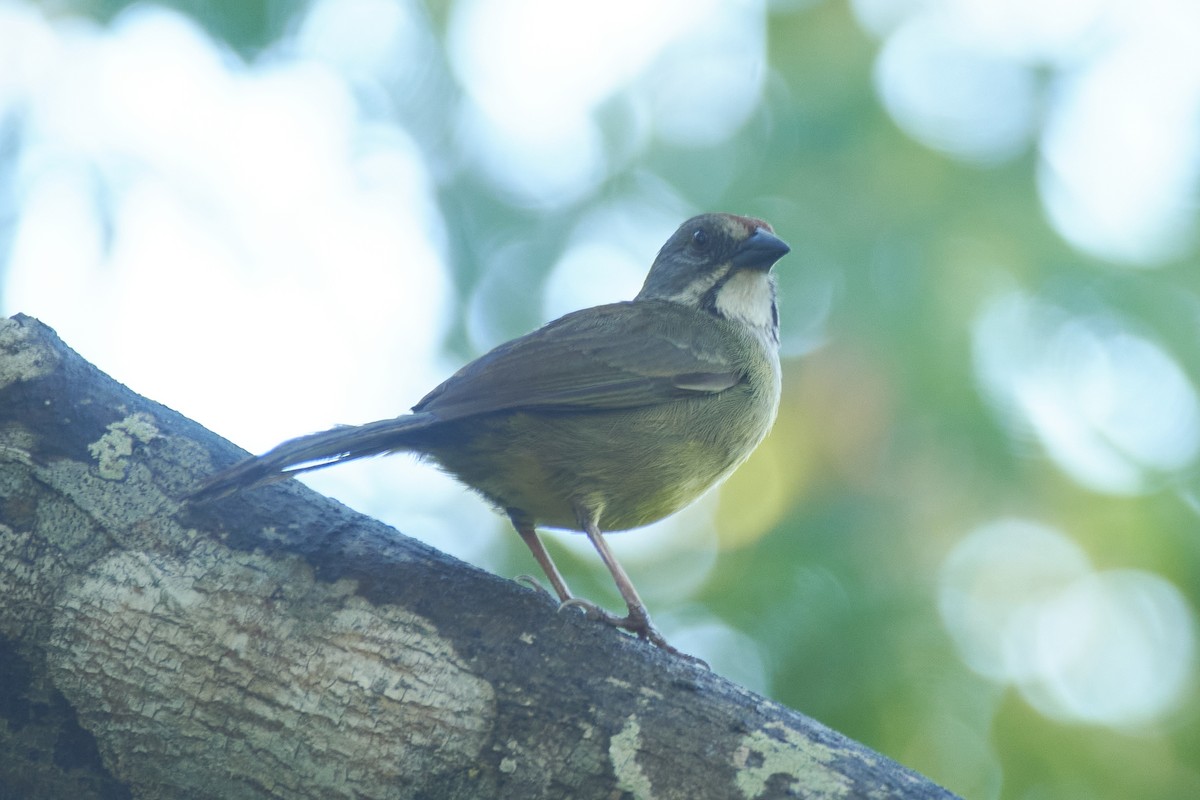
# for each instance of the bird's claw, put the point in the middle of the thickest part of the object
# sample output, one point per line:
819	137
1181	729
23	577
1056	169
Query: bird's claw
536	585
637	622
594	612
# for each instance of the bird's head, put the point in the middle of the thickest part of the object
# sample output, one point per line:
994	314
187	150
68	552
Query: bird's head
720	263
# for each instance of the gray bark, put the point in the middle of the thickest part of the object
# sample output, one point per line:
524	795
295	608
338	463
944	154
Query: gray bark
276	644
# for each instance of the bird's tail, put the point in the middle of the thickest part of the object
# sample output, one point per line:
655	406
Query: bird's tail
314	451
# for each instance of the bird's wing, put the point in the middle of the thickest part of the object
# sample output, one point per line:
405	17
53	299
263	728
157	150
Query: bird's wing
625	355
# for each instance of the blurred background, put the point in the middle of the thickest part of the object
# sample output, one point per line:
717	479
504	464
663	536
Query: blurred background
972	541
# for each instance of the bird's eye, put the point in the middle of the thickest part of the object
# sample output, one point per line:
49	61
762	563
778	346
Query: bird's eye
700	238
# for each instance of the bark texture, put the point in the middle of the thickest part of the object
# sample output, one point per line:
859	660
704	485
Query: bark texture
277	644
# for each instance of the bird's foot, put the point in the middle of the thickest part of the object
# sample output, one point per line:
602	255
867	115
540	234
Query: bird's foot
637	622
595	612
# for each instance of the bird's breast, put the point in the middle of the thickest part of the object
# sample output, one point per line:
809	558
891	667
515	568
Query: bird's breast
634	466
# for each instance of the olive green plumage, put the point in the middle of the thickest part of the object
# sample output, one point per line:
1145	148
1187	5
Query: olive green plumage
608	418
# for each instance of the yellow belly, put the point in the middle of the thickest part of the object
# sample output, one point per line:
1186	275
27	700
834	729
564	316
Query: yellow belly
630	468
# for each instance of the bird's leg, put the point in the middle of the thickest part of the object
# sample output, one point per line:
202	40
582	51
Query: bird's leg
529	535
637	621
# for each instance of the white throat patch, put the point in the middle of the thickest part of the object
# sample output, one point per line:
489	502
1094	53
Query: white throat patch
747	297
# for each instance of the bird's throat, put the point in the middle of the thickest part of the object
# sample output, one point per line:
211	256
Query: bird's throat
748	296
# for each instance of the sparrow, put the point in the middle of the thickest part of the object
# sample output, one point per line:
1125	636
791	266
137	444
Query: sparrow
606	419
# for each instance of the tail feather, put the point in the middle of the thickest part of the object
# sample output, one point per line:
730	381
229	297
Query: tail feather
314	451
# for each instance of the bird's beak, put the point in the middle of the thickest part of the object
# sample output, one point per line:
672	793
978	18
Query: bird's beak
760	251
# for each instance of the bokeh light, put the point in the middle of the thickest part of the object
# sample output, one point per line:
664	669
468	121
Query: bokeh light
236	206
948	93
689	71
1026	607
1113	84
971	540
1113	409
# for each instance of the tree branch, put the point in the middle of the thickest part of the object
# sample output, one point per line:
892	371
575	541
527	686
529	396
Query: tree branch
277	644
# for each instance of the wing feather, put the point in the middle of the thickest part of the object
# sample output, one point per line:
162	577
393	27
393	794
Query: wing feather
624	355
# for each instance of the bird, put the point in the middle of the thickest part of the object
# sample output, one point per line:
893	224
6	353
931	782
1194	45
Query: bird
606	419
